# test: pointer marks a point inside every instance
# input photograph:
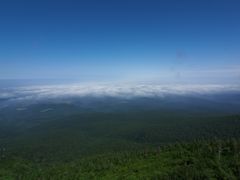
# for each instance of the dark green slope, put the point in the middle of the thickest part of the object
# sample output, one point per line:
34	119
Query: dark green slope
197	160
91	133
146	144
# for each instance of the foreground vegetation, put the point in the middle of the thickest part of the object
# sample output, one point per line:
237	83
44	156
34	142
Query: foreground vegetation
120	145
216	159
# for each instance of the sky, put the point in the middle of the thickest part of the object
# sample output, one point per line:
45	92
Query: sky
187	41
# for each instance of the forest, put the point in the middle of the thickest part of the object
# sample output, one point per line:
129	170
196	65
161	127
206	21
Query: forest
122	145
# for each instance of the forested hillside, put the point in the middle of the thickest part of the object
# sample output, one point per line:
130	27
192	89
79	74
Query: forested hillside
214	159
122	145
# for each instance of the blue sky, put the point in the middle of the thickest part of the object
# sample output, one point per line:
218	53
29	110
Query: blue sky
164	40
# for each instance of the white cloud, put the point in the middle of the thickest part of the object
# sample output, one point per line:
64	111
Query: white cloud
124	90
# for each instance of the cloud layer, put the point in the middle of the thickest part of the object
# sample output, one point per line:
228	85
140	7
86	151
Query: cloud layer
124	90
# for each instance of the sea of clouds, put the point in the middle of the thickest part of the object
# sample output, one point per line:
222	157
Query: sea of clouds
124	90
